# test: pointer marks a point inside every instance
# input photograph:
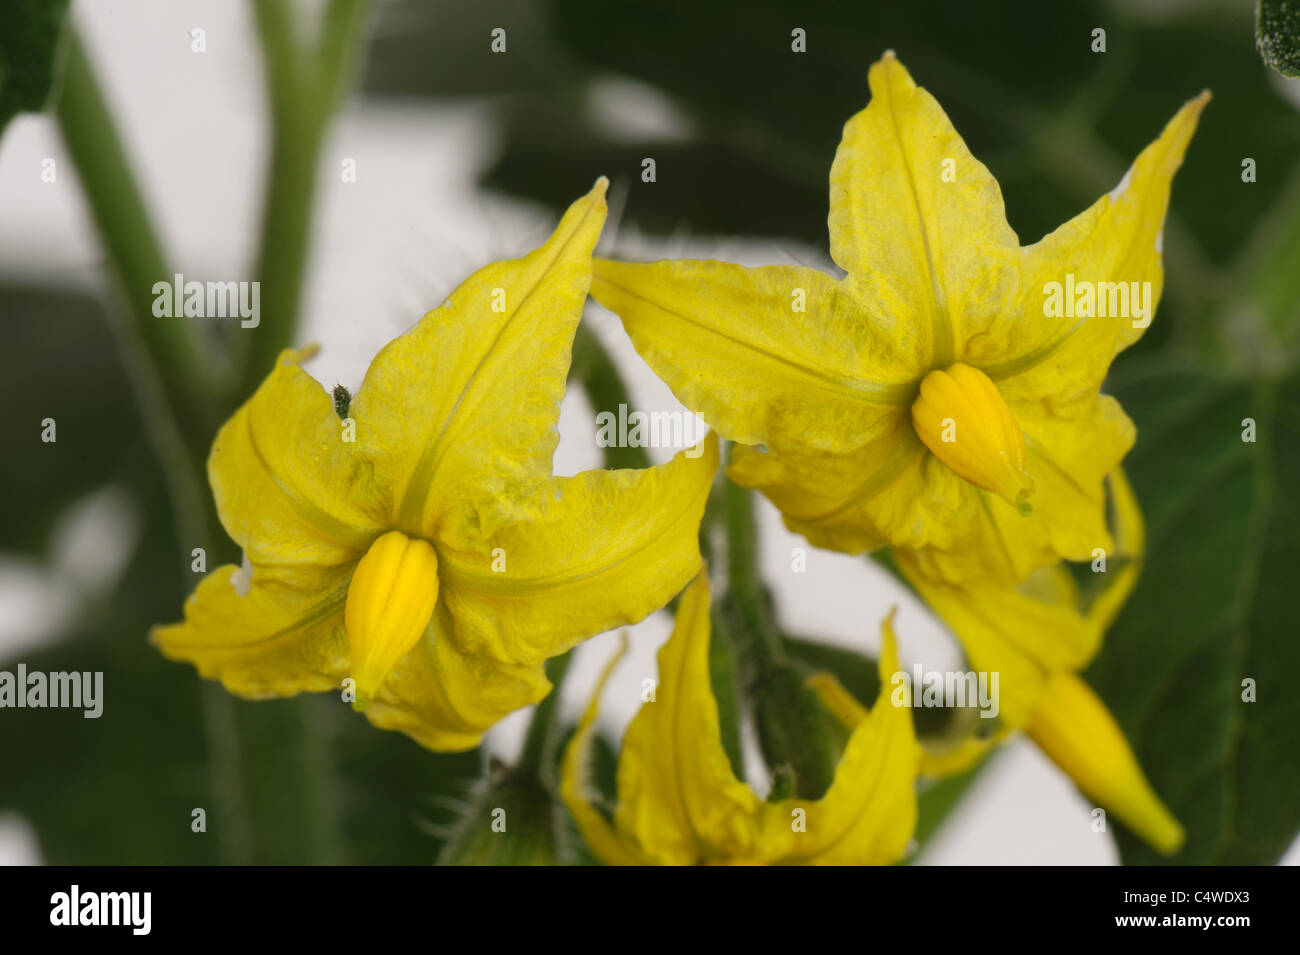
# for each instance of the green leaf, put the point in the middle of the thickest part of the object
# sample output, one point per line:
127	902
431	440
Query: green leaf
1215	607
29	39
1277	33
1258	326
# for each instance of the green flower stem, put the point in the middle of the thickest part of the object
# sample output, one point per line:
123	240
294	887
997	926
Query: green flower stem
171	385
746	596
305	84
118	208
286	783
538	757
793	731
274	784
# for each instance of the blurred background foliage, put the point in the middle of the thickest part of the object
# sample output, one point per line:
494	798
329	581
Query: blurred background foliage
745	150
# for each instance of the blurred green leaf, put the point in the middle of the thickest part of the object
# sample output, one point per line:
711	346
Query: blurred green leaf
1215	607
29	40
445	49
1258	323
60	362
1277	31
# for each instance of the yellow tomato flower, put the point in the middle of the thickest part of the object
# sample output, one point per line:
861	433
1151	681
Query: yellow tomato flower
679	803
943	397
421	547
1037	636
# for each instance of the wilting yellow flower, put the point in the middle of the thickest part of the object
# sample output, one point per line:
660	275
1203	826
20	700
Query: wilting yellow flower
679	803
421	546
1036	637
943	397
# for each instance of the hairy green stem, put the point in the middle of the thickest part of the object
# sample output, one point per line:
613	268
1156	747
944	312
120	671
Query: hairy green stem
747	598
538	755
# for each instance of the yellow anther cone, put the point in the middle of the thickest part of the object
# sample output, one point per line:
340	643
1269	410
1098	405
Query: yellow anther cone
963	420
1073	727
390	600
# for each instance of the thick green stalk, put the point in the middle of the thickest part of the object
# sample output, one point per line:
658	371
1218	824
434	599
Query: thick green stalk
305	82
747	599
793	731
134	250
287	787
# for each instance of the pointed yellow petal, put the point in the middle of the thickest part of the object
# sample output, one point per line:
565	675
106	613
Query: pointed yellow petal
776	356
446	698
869	813
917	221
1030	632
601	837
579	556
279	635
288	488
1072	726
839	702
1040	357
390	601
943	759
1130	542
468	399
678	798
1025	634
939	758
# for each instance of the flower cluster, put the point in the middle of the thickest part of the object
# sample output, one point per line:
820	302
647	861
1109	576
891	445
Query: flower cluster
939	400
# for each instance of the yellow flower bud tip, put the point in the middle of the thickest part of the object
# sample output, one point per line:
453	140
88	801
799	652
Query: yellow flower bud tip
963	420
390	600
1075	729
